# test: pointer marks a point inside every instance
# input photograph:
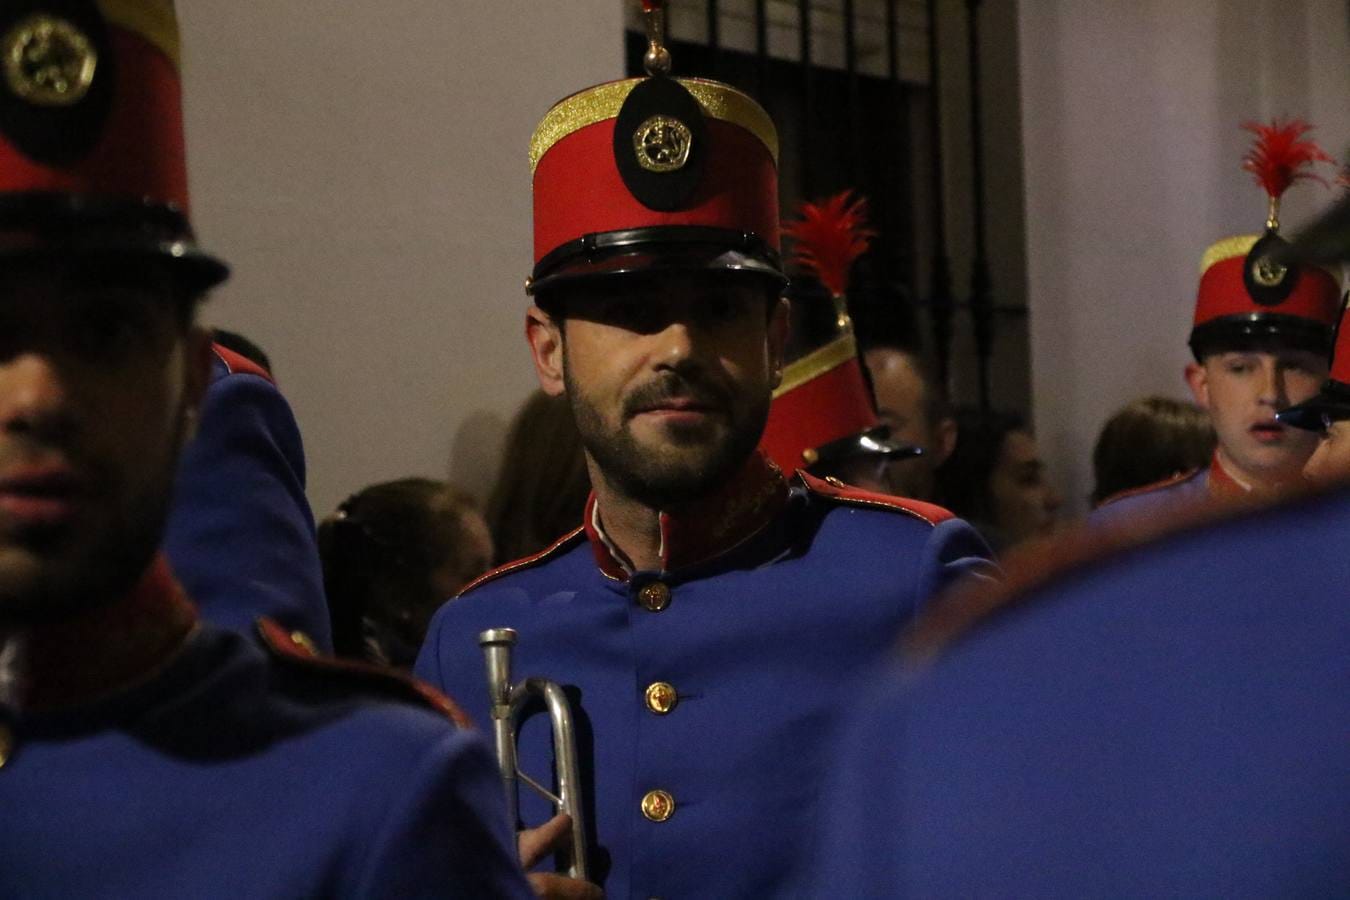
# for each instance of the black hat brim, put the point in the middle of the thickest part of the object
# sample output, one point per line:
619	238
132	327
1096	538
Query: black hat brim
1243	332
44	226
656	250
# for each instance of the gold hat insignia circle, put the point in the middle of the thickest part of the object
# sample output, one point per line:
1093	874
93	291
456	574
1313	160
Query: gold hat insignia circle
48	61
662	144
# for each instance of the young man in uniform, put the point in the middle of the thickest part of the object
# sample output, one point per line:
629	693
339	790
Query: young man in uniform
1260	339
710	610
142	752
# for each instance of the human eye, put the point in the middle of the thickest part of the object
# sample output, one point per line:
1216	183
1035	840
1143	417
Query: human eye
112	329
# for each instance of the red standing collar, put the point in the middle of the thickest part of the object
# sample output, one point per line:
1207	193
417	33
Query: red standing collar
103	650
706	528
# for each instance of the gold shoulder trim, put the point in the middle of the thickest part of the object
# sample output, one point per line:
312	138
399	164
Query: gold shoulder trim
153	20
1229	247
603	101
816	363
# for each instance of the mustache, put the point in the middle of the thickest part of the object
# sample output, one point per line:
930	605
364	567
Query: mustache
676	387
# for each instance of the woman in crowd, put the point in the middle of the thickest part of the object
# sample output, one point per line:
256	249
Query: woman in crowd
995	479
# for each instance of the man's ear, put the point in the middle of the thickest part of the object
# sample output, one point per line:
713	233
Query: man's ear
546	347
779	326
1198	379
944	440
197	377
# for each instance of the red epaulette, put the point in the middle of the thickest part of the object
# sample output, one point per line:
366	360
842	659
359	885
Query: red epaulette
1155	486
238	364
507	568
296	648
834	489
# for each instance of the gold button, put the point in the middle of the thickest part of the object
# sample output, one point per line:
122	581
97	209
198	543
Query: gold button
654	596
830	479
658	805
661	697
6	744
304	642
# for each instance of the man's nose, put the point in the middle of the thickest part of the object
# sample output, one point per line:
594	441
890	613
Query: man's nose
676	345
1272	384
33	395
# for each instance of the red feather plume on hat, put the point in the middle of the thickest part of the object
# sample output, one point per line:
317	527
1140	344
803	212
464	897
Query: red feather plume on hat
830	236
1281	155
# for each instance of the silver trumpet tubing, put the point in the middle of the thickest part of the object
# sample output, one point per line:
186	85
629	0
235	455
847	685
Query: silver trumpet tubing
507	701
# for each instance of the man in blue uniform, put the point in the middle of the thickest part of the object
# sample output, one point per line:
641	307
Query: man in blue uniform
710	610
240	534
143	753
1260	339
1169	720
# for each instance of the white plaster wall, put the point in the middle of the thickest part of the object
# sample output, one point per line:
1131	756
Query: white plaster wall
1132	153
363	167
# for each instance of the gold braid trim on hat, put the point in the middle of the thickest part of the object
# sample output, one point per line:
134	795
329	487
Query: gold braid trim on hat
603	101
1241	245
153	20
816	363
1228	248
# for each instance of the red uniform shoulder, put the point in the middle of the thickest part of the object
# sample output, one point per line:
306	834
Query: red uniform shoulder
1155	486
542	556
834	489
294	648
238	364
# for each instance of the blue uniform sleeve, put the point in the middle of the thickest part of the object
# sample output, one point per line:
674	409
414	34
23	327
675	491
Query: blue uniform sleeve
240	534
446	834
954	551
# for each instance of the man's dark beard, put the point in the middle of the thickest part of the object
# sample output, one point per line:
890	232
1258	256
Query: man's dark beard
669	484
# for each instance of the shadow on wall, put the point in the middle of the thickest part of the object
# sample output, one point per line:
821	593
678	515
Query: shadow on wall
476	453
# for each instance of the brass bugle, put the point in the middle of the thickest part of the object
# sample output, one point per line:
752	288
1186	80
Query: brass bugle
507	700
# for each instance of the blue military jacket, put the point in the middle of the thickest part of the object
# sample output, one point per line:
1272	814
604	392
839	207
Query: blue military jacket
714	680
236	768
240	532
1173	721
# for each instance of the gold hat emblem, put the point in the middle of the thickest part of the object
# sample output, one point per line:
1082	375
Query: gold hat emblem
1268	273
662	144
48	61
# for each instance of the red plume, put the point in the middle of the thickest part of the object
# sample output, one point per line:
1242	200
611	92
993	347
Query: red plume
830	236
1279	156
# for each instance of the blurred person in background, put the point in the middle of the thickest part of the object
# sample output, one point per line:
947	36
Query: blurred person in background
1151	439
912	403
542	488
995	479
392	554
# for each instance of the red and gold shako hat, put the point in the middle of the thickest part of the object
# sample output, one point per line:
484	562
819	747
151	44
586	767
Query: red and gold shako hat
1332	403
654	172
92	157
1245	292
823	411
